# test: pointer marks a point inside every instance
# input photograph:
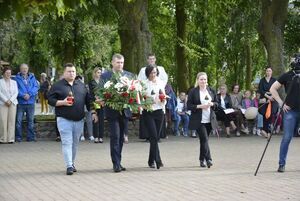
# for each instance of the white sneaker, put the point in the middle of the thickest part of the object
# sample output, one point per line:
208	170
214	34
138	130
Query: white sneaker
126	139
42	113
91	138
82	138
245	130
254	131
258	132
238	134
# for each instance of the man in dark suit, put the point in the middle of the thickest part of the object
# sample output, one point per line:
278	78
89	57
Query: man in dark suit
116	120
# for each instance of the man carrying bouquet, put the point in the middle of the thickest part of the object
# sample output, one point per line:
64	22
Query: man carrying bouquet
116	119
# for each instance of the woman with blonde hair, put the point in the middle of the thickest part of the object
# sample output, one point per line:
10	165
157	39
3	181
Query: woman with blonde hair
94	85
201	101
44	88
8	107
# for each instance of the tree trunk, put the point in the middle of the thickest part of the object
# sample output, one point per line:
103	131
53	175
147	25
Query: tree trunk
181	60
69	52
248	64
274	14
134	32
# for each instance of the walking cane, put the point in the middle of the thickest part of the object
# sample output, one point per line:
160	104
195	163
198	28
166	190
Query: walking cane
269	139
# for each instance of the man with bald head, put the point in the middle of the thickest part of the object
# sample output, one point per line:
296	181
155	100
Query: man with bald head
28	88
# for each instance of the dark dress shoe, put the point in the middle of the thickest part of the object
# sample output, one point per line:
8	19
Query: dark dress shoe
69	171
74	169
118	169
151	165
281	168
209	163
122	168
58	139
159	165
202	164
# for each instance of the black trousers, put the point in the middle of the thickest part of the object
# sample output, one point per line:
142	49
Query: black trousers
116	126
153	123
98	127
203	132
226	118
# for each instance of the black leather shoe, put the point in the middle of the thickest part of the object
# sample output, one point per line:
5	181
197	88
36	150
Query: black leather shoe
74	169
117	168
159	165
209	163
151	165
122	168
281	168
69	171
202	164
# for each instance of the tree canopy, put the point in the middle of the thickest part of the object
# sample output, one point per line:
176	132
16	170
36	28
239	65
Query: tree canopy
232	40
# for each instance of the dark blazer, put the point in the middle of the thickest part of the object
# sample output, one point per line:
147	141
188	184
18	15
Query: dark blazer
227	100
93	86
109	112
196	113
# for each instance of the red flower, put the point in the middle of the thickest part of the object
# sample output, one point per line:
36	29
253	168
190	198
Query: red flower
131	100
107	95
125	94
162	97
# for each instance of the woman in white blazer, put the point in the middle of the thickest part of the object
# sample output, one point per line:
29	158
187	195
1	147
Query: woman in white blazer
8	103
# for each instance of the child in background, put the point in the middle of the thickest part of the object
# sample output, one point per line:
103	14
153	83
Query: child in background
246	103
182	115
259	119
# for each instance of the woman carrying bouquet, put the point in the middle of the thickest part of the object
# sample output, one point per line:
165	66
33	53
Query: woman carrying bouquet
154	117
201	99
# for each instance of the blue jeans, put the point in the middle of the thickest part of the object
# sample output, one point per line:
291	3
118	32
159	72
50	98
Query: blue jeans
185	120
290	120
70	132
29	110
259	121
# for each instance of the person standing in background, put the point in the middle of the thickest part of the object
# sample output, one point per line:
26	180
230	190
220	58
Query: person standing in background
266	96
28	89
8	107
44	88
95	84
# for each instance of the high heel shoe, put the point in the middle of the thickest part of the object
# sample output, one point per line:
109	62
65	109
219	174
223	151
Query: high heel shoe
209	163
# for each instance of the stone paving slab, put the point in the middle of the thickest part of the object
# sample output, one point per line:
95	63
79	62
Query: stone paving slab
35	171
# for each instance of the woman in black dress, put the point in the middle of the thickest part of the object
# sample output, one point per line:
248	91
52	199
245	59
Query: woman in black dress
264	87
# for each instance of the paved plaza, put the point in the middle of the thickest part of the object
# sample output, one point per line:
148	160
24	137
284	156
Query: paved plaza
35	171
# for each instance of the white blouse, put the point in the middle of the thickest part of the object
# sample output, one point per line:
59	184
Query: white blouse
205	98
153	89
